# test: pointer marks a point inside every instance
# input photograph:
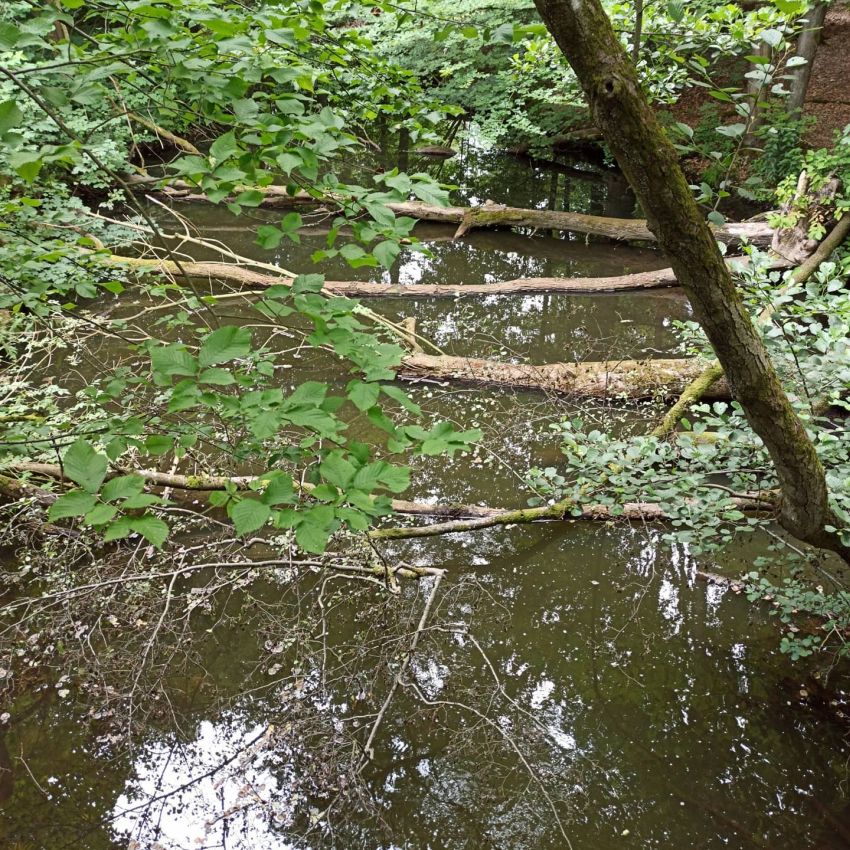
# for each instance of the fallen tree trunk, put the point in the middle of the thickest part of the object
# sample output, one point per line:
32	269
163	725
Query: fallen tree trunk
243	276
496	215
631	379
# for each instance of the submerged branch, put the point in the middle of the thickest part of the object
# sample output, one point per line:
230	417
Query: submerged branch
469	517
565	511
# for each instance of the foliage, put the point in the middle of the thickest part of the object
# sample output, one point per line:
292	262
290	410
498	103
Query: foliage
781	156
270	95
822	167
704	477
504	70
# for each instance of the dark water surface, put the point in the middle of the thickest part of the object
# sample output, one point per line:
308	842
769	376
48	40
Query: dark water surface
574	685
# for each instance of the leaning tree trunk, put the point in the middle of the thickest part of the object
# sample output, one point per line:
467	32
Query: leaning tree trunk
584	33
807	46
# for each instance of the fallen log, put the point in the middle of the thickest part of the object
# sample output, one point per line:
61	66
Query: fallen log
243	276
491	215
560	511
499	215
630	379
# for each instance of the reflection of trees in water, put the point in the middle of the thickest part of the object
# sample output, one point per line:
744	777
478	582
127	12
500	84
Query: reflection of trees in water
544	669
234	700
548	328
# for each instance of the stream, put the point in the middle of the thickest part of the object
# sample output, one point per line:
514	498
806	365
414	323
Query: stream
577	686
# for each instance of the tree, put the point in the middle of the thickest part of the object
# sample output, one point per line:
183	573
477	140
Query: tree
807	45
583	31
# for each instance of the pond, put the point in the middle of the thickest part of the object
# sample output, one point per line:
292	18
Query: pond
573	685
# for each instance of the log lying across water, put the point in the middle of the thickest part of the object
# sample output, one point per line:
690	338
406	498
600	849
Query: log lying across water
628	229
630	379
243	276
496	215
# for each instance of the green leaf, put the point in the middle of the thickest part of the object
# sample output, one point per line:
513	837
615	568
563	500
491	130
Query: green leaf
791	7
399	395
731	130
363	395
10	116
75	503
248	515
169	360
431	193
279	491
118	529
84	466
122	487
309	393
27	164
772	37
443	438
101	514
315	528
325	493
395	478
224	147
718	94
386	253
218	377
250	198
337	470
9	35
140	500
158	444
153	529
269	236
225	344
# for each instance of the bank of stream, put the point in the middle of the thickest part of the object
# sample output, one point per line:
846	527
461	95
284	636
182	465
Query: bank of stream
574	685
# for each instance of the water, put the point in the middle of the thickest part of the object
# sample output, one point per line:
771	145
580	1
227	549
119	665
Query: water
574	685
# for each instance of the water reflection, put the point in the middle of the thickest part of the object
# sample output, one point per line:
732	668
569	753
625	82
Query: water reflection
229	787
656	725
569	673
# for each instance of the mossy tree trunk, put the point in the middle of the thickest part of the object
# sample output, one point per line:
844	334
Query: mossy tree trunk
620	110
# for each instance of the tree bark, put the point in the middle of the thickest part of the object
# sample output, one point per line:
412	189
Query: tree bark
647	158
496	215
627	379
807	46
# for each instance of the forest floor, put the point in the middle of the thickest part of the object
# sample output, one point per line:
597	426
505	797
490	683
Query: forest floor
828	99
